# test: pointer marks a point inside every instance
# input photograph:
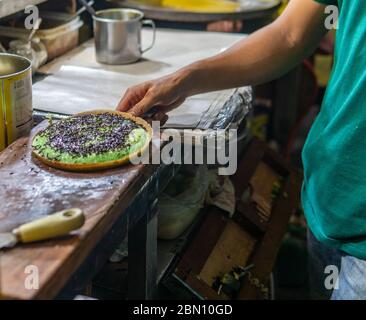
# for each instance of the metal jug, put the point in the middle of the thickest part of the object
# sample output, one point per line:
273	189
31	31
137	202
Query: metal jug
117	35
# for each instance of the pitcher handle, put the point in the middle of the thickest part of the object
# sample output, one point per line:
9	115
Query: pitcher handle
148	22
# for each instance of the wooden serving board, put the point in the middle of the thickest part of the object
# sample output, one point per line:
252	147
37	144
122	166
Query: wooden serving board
30	190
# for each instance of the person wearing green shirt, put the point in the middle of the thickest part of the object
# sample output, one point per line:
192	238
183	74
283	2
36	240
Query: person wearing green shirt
334	187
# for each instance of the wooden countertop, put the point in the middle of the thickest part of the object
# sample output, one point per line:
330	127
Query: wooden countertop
29	190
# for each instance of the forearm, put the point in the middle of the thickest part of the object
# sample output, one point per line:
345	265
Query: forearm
260	58
263	56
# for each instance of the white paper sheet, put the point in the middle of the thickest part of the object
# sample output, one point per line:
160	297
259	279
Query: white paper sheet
77	89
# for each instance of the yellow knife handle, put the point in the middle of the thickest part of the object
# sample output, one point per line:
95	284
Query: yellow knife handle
52	226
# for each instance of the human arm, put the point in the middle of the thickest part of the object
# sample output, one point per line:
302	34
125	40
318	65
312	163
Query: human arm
261	57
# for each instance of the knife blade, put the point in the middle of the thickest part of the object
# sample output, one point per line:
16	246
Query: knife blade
55	225
7	240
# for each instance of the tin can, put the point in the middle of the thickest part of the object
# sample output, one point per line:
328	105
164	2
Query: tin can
2	129
15	98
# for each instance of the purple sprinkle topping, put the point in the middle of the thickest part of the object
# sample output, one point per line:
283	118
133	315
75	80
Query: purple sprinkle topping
88	134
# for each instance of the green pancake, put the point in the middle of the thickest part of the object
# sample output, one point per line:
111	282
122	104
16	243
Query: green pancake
92	138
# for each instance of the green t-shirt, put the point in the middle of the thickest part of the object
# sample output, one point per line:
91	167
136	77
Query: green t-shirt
334	156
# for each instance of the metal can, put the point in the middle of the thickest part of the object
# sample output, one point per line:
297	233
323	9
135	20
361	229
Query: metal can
15	98
117	34
2	131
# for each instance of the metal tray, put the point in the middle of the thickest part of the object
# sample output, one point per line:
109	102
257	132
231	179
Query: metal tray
250	9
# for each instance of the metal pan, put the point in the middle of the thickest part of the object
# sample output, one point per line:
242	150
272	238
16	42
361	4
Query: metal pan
249	9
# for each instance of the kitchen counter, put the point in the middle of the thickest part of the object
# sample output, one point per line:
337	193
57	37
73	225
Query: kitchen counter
116	202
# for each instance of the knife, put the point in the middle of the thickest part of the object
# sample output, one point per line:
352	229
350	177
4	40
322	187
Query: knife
52	226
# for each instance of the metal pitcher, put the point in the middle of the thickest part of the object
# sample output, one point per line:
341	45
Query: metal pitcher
117	35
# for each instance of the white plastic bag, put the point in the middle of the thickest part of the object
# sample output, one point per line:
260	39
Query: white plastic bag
181	202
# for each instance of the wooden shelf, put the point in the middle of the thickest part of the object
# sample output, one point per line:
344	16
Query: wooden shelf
8	7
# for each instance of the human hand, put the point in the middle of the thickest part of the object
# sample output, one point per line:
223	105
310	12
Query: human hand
165	93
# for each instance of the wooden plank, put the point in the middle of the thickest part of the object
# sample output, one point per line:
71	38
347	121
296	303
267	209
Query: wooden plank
247	167
198	251
247	217
203	289
232	250
29	190
265	253
267	249
262	183
203	260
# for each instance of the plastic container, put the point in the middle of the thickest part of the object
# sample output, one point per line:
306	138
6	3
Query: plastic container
33	50
23	48
59	33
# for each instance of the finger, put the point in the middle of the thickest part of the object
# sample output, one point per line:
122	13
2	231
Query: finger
126	102
143	106
171	106
132	96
